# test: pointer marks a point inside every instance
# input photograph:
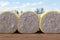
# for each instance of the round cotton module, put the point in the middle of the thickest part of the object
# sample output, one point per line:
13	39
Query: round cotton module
28	22
50	22
8	22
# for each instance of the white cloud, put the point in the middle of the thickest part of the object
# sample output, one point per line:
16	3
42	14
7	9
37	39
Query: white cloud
56	8
7	3
15	2
31	4
25	5
54	4
3	4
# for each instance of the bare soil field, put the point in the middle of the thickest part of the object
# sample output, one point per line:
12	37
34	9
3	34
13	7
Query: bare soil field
29	36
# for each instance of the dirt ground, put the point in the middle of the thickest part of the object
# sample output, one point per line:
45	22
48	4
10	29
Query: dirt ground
29	36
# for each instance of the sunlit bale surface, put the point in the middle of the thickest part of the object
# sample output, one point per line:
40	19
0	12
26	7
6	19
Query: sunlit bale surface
50	22
8	21
28	23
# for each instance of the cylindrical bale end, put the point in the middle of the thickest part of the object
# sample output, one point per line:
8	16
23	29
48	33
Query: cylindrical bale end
50	22
28	22
8	22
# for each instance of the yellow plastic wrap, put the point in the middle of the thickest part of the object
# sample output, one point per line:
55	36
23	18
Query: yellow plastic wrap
29	11
42	15
14	14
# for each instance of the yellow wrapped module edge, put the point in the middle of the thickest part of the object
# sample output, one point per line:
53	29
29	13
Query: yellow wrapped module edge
42	15
24	13
16	15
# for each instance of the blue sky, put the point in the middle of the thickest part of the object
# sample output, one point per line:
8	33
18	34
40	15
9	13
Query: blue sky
29	5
